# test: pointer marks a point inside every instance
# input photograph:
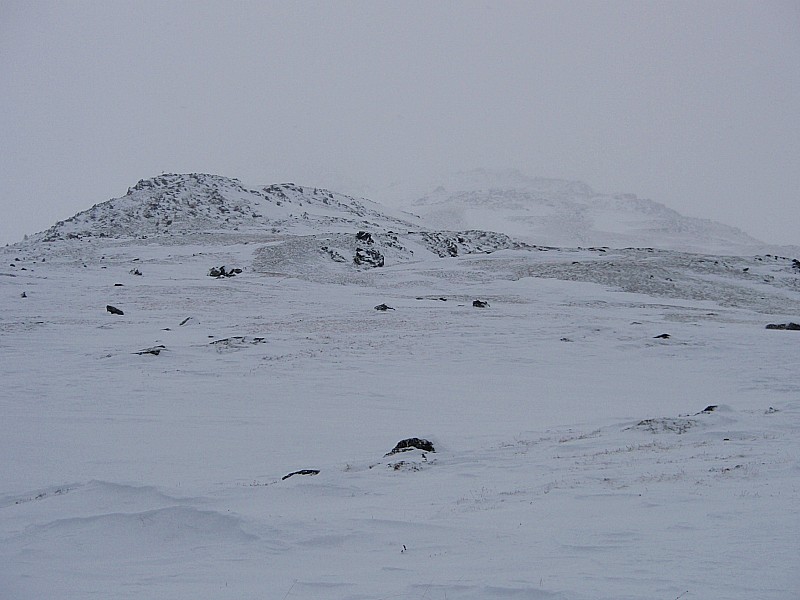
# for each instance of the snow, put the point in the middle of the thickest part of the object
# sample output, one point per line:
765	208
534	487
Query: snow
573	457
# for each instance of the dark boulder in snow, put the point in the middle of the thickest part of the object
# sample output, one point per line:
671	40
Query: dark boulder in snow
301	472
383	307
411	444
114	310
480	304
789	326
368	257
663	336
219	272
365	236
155	350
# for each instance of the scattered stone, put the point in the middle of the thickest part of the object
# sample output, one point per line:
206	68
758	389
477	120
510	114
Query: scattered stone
301	472
135	272
771	411
114	310
220	272
119	285
369	257
184	322
383	307
665	425
784	326
155	350
566	339
237	341
411	444
23	295
708	409
480	304
404	466
663	336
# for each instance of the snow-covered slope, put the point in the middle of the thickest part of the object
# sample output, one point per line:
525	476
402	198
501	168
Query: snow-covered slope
607	423
567	213
183	204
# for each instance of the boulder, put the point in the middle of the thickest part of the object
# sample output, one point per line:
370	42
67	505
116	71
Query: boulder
480	304
368	257
155	350
663	336
784	326
114	310
301	472
383	307
223	272
365	236
411	444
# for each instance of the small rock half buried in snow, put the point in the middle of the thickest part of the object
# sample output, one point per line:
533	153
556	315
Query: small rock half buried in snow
480	304
383	307
789	326
411	444
155	350
114	310
301	472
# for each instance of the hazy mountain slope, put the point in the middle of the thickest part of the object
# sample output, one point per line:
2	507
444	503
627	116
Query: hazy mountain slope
566	213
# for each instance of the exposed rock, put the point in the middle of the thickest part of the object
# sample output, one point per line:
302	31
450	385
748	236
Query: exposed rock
135	272
184	322
383	307
219	272
663	336
708	409
789	326
114	310
301	472
365	237
369	257
480	304
23	295
411	444
155	350
665	425
237	341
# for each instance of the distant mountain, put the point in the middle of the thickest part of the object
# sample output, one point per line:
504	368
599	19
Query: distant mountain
567	213
478	211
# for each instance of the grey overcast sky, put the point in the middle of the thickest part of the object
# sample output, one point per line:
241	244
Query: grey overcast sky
692	104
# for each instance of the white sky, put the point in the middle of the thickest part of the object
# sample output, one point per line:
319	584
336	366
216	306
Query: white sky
693	104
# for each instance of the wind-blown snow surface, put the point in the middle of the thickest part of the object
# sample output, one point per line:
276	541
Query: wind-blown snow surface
573	457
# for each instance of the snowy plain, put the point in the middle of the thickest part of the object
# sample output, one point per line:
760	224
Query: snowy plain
573	456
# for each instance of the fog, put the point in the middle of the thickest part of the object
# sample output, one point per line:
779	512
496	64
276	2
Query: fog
695	105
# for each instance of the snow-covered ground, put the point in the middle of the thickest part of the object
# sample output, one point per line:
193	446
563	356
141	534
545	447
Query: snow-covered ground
573	456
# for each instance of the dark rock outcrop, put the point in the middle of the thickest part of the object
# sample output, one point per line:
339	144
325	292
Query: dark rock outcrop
114	310
220	272
411	444
365	237
789	326
368	257
480	304
383	307
155	350
301	472
663	336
